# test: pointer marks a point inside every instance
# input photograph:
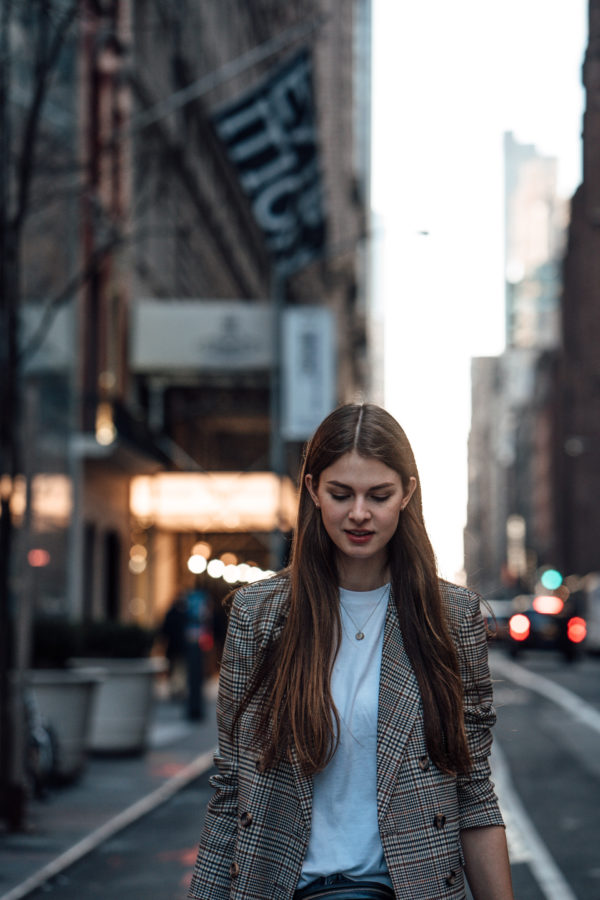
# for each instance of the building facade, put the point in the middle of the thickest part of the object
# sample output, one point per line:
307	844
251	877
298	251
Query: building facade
534	230
154	233
557	469
578	438
512	500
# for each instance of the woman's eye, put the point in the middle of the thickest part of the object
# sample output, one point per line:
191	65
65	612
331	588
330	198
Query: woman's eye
381	499
340	496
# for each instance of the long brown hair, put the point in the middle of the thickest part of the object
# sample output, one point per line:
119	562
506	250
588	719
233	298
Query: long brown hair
293	674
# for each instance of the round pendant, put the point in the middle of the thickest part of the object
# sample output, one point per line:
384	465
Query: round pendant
359	635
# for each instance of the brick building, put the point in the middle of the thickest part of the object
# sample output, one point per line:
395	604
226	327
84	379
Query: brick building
148	216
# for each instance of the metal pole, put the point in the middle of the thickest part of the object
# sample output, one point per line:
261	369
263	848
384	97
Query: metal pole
230	70
12	789
5	491
277	461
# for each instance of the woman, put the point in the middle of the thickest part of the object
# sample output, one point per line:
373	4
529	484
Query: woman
355	702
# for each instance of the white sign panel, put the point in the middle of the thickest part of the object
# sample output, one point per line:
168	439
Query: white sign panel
308	370
201	336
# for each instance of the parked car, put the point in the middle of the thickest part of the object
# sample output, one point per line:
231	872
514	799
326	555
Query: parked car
546	622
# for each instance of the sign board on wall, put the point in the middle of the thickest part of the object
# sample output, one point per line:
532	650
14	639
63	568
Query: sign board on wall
308	370
201	336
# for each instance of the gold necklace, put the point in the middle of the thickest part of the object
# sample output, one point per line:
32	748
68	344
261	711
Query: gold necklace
360	630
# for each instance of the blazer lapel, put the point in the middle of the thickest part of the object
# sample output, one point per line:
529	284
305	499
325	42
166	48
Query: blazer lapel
399	700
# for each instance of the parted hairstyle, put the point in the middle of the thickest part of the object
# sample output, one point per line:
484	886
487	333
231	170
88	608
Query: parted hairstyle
293	674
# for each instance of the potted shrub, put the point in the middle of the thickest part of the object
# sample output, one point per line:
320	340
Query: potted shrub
63	697
123	705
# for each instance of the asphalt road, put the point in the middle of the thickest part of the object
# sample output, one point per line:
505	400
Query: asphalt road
547	770
551	746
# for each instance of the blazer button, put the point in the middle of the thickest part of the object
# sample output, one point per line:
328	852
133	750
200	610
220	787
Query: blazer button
424	762
439	821
234	870
451	879
246	819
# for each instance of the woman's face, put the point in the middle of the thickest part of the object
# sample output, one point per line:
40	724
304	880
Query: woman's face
360	500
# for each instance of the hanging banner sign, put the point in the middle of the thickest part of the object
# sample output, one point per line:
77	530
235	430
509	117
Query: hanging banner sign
308	369
271	138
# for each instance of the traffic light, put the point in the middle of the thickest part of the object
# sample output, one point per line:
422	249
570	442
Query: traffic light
551	579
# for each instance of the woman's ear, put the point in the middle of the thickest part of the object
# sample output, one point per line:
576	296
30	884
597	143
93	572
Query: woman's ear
310	486
412	484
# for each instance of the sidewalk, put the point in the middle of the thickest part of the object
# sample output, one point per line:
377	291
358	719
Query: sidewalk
112	793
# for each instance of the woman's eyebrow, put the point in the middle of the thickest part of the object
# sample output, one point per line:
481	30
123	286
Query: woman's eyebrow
374	487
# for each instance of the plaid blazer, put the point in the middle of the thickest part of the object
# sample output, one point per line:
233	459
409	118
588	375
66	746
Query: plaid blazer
257	824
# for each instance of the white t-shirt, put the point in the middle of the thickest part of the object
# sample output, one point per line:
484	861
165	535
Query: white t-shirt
345	834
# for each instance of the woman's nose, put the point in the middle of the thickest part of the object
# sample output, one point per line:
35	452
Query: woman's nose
360	510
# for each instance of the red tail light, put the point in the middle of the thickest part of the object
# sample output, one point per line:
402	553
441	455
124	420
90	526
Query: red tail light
576	630
519	627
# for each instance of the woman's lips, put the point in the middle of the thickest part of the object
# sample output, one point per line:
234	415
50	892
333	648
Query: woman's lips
359	537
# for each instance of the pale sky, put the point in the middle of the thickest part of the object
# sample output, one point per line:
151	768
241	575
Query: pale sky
448	80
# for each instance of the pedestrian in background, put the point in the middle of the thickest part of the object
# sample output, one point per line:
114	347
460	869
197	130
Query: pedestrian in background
355	701
172	632
199	641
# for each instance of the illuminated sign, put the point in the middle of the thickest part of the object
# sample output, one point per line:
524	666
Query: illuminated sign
214	501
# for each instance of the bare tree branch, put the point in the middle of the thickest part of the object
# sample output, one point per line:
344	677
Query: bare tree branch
79	279
45	66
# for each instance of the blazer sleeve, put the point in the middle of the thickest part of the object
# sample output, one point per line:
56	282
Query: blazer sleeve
478	804
211	877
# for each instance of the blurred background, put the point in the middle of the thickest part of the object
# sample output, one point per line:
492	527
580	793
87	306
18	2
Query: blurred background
218	221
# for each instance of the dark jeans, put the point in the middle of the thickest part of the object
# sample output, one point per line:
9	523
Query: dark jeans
338	887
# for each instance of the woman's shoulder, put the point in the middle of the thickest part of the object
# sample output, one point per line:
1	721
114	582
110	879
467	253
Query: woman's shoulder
264	603
459	602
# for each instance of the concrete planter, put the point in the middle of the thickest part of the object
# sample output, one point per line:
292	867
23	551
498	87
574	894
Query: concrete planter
123	705
65	699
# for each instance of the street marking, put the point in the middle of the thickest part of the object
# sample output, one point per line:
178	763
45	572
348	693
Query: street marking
524	836
572	704
130	815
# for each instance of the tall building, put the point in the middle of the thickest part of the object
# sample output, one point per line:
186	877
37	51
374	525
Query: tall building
512	517
579	432
558	499
534	228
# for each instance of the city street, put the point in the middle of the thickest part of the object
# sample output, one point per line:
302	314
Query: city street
547	771
244	244
550	744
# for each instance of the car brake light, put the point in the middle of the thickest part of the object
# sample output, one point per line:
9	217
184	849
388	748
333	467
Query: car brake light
519	627
548	605
576	630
